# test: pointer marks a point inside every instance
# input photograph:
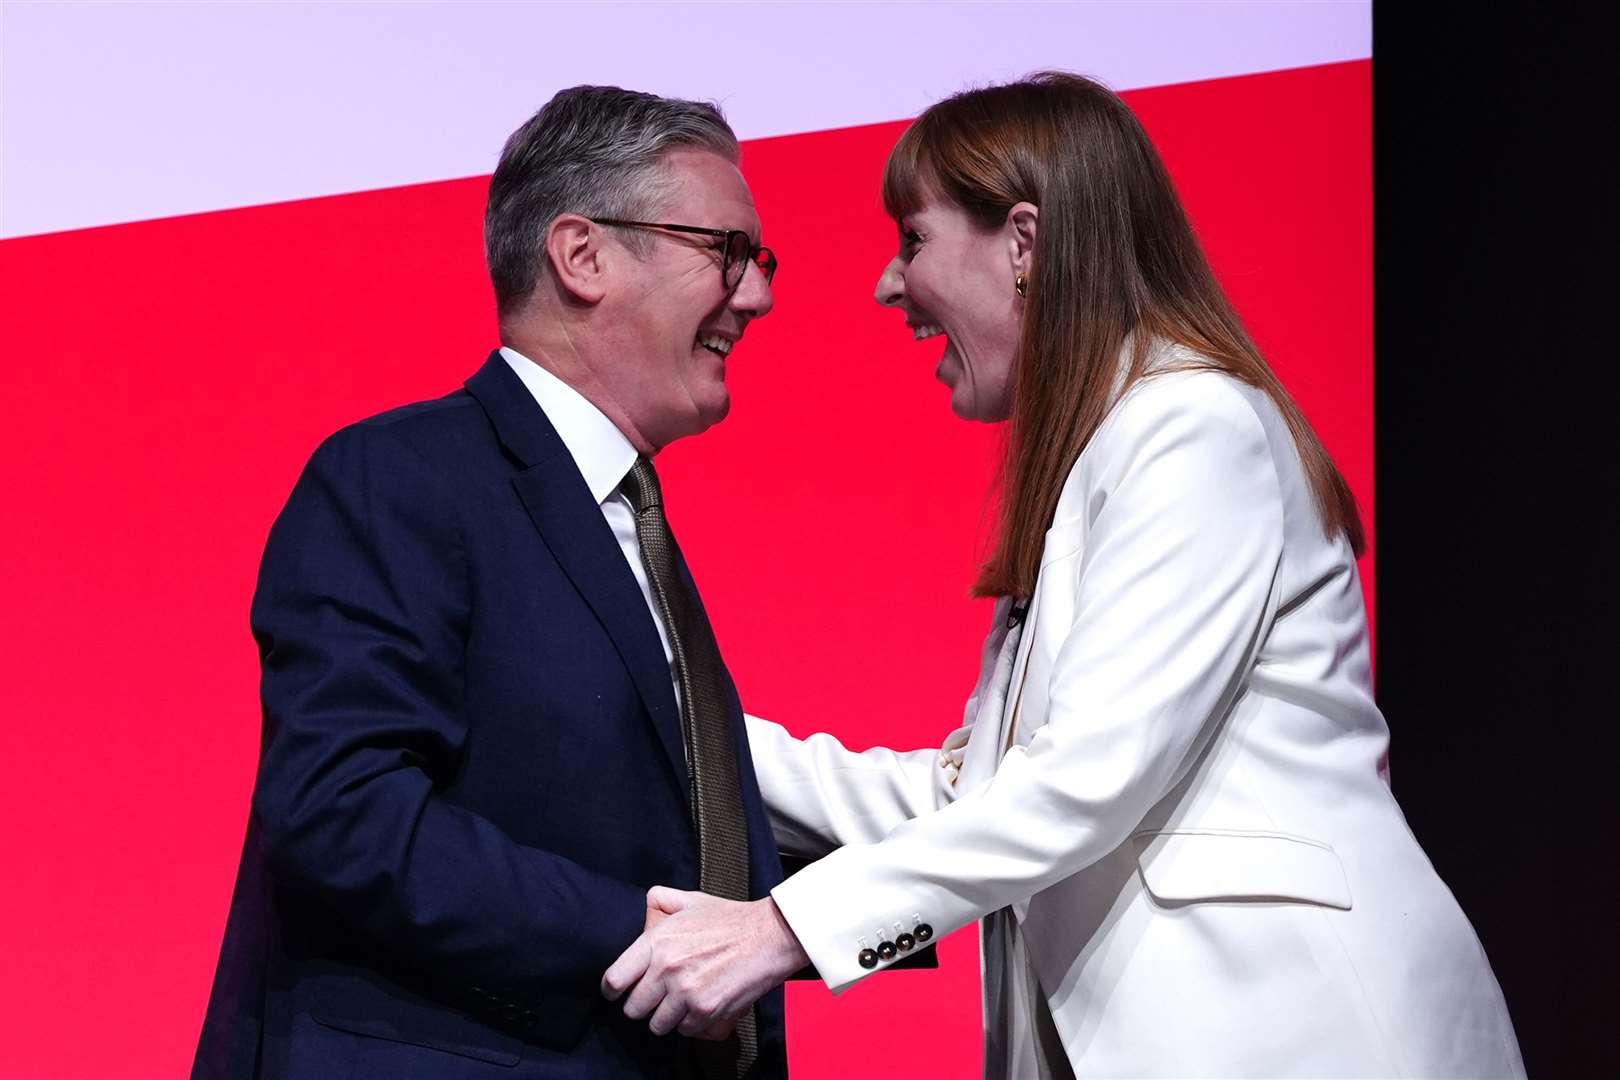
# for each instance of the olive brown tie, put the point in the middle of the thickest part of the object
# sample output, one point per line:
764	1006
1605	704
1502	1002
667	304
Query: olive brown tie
710	752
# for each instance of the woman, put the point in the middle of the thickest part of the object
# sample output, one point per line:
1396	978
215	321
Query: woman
1169	806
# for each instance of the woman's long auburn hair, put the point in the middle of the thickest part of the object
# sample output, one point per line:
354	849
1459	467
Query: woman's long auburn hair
1115	259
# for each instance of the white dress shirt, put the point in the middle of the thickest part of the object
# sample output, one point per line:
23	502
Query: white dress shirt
603	456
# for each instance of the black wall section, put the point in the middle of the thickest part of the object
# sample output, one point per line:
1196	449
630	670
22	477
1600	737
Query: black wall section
1498	261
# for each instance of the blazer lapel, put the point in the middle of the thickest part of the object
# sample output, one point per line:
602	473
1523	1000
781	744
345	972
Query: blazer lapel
1020	672
571	524
983	751
1025	708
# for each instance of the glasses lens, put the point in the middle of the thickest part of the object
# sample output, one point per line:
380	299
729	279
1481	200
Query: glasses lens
765	259
736	258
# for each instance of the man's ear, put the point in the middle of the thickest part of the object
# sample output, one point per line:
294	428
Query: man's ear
1023	222
577	258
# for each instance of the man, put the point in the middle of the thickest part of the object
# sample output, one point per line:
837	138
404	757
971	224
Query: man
494	711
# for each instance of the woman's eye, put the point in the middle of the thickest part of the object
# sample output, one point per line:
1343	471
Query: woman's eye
910	240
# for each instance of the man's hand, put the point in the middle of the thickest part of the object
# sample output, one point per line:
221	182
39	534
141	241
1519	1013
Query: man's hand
655	915
702	962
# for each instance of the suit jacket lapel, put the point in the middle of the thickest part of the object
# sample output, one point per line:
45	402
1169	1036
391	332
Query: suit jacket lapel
571	524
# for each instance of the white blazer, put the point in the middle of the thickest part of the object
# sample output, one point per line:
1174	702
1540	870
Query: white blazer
1182	795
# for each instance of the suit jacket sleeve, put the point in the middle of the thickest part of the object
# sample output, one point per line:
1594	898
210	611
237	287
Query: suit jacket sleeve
362	619
1174	591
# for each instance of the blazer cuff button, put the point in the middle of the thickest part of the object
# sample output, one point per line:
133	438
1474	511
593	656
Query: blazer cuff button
887	950
923	932
867	959
905	942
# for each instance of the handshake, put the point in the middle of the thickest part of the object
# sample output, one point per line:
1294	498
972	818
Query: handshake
701	961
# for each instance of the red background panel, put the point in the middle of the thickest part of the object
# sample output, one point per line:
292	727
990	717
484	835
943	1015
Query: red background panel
168	379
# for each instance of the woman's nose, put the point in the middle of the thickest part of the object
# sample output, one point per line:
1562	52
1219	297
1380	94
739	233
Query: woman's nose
891	286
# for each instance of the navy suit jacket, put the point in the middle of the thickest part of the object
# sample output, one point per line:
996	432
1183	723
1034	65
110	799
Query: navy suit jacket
472	768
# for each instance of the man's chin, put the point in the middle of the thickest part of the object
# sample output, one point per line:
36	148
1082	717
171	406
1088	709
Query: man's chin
705	413
716	410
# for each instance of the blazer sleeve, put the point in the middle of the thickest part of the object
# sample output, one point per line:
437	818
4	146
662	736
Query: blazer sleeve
821	795
1174	592
361	616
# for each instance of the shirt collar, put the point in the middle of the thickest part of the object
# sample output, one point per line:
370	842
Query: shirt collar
599	449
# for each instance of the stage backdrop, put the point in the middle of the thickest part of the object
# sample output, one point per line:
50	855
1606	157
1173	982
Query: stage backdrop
231	229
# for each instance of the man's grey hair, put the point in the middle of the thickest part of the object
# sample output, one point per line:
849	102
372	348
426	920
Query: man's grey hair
591	150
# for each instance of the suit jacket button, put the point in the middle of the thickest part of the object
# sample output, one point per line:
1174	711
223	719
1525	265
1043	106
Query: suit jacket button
868	959
887	950
923	931
905	942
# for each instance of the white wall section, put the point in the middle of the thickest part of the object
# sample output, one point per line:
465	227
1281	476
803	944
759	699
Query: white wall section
114	112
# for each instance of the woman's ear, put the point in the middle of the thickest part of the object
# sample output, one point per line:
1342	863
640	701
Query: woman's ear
1023	221
577	257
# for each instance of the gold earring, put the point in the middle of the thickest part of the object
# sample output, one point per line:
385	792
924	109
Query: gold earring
1020	284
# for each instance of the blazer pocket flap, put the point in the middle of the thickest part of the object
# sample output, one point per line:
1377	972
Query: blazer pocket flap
1188	867
479	1049
476	1024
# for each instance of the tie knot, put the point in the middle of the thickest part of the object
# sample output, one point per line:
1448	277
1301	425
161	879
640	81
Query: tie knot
640	486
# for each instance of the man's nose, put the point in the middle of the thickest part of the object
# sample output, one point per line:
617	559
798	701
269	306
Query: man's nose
891	286
753	296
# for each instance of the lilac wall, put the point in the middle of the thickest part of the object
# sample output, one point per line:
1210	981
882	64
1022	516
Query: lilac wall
119	112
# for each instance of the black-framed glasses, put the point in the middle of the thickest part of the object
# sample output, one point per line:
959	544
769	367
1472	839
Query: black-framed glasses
736	248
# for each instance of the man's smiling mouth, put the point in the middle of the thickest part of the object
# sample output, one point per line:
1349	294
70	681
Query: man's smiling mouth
716	344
